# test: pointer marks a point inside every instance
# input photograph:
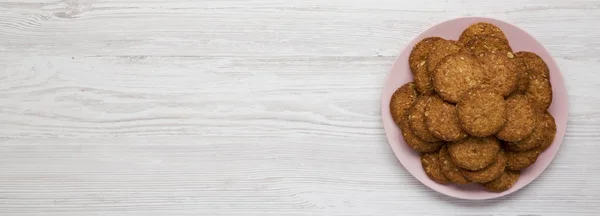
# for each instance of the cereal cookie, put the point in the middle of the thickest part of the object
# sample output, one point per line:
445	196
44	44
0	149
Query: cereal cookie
450	170
416	118
443	49
548	126
520	119
482	112
442	120
534	63
418	63
413	141
481	28
521	160
474	153
489	173
500	72
455	75
522	72
433	167
487	44
542	135
506	180
539	91
402	99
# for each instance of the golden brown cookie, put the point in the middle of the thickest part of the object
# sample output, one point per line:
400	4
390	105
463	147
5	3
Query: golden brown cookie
542	135
418	63
487	44
481	28
441	50
402	99
521	118
474	153
489	173
521	160
482	112
433	167
548	126
506	180
450	170
522	73
534	63
416	118
442	120
413	141
539	91
500	72
455	75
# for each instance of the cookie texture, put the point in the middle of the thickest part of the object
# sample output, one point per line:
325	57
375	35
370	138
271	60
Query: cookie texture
521	118
455	75
442	120
522	73
440	51
450	170
474	153
542	135
506	180
482	112
520	160
433	167
547	126
418	63
539	91
487	44
402	99
489	173
534	63
416	118
413	141
479	29
500	72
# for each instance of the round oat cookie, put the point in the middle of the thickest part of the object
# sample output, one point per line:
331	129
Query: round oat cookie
455	75
487	44
474	153
489	173
413	141
506	180
500	72
442	120
420	51
418	63
402	99
539	91
433	167
542	135
481	28
521	118
521	160
548	126
450	170
416	118
534	63
522	72
482	112
440	51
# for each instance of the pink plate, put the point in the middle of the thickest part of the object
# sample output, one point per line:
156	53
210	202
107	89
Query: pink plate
400	74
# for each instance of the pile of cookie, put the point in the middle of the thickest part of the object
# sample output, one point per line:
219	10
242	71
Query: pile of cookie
476	111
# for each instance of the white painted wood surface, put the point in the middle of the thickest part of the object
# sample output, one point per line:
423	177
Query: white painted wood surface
251	107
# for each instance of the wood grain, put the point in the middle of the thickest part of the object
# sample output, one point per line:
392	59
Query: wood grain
251	107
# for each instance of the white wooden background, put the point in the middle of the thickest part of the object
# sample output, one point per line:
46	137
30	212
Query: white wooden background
251	107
